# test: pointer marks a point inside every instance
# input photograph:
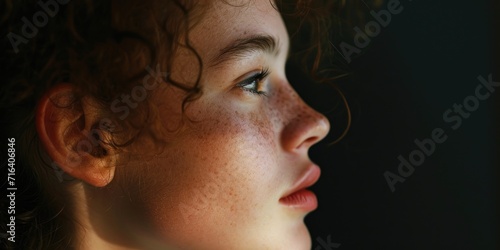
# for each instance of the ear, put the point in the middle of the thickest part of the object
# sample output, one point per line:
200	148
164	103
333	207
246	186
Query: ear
73	136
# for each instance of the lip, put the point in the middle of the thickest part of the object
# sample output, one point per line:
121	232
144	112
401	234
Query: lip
298	196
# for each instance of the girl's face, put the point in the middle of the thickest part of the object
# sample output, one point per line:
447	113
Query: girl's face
219	181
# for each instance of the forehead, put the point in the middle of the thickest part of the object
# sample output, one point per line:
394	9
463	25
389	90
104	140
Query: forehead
225	21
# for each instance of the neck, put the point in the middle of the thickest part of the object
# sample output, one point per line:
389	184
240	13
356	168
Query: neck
107	226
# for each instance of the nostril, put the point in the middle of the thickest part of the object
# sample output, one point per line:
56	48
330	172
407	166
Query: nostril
309	141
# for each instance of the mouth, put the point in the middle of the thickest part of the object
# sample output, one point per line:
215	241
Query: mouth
299	197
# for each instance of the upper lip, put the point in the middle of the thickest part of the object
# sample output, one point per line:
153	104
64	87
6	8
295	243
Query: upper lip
310	176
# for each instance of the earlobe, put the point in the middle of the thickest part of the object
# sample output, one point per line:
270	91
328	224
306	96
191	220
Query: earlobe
69	132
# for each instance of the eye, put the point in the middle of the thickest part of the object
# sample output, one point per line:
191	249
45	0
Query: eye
253	83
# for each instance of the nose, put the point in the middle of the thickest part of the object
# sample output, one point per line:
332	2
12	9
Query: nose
304	128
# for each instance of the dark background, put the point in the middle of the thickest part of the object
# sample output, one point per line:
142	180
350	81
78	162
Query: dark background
427	59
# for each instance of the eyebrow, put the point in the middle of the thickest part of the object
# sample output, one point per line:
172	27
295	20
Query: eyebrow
241	47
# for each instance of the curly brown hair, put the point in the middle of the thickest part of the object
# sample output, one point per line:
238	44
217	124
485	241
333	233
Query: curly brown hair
105	48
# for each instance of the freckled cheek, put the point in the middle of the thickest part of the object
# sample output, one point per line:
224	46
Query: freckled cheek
227	167
240	145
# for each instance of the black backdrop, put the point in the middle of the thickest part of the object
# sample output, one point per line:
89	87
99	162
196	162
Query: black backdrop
427	59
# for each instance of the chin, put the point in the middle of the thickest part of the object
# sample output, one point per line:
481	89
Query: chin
298	239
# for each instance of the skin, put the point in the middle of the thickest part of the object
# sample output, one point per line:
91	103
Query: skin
217	181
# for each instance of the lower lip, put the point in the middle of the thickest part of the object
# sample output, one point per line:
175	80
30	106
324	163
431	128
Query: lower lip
303	199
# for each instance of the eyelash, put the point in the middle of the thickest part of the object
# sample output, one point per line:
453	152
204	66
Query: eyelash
257	78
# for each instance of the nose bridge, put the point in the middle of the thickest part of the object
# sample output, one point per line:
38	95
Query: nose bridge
301	112
302	125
